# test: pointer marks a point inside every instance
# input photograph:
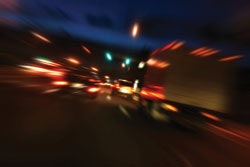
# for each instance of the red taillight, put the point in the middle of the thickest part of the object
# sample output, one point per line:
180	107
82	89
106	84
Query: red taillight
60	83
93	89
117	86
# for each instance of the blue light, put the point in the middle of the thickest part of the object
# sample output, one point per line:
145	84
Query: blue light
127	61
108	56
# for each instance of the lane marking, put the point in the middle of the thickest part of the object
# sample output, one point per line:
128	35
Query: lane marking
229	136
181	156
230	132
124	111
50	91
108	97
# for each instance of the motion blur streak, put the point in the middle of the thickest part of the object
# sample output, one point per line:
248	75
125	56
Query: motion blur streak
33	68
94	80
178	45
196	51
86	49
158	64
77	85
231	58
41	37
60	83
152	94
204	51
230	132
42	70
94	69
135	30
50	91
55	73
47	62
72	60
151	62
169	107
154	52
93	89
124	111
210	116
162	65
210	53
143	92
157	87
168	46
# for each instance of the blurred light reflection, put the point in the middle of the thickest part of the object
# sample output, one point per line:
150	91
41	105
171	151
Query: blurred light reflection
41	37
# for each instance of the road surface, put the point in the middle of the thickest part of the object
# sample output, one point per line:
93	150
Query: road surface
39	128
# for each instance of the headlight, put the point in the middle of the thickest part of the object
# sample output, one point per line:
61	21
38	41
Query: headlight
77	85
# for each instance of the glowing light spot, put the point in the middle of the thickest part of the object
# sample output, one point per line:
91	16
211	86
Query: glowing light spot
168	46
94	69
154	52
231	58
46	62
60	83
123	65
41	37
93	89
86	49
210	53
210	116
178	45
141	65
72	60
196	51
151	62
135	30
169	107
157	64
108	97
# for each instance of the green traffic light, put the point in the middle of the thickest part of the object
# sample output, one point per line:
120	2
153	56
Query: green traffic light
108	56
127	61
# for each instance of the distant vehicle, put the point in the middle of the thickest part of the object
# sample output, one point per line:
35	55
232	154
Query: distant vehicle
187	85
123	88
78	83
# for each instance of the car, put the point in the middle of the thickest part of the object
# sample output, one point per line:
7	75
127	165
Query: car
123	88
78	83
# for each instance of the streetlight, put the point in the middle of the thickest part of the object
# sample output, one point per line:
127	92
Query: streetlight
123	65
72	60
108	56
94	69
141	65
46	61
127	61
135	30
86	49
41	37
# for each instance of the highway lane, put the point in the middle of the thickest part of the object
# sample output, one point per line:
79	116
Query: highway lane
45	129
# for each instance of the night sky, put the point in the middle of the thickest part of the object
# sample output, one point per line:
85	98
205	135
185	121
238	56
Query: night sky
222	24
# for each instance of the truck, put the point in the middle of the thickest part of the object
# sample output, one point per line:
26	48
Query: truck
188	85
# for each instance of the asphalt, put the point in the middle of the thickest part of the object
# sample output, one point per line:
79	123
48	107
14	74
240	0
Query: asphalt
46	129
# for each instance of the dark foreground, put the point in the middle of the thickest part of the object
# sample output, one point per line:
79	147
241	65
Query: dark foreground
45	129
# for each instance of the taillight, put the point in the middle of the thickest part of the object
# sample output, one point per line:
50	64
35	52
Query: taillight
169	107
117	86
93	89
60	83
